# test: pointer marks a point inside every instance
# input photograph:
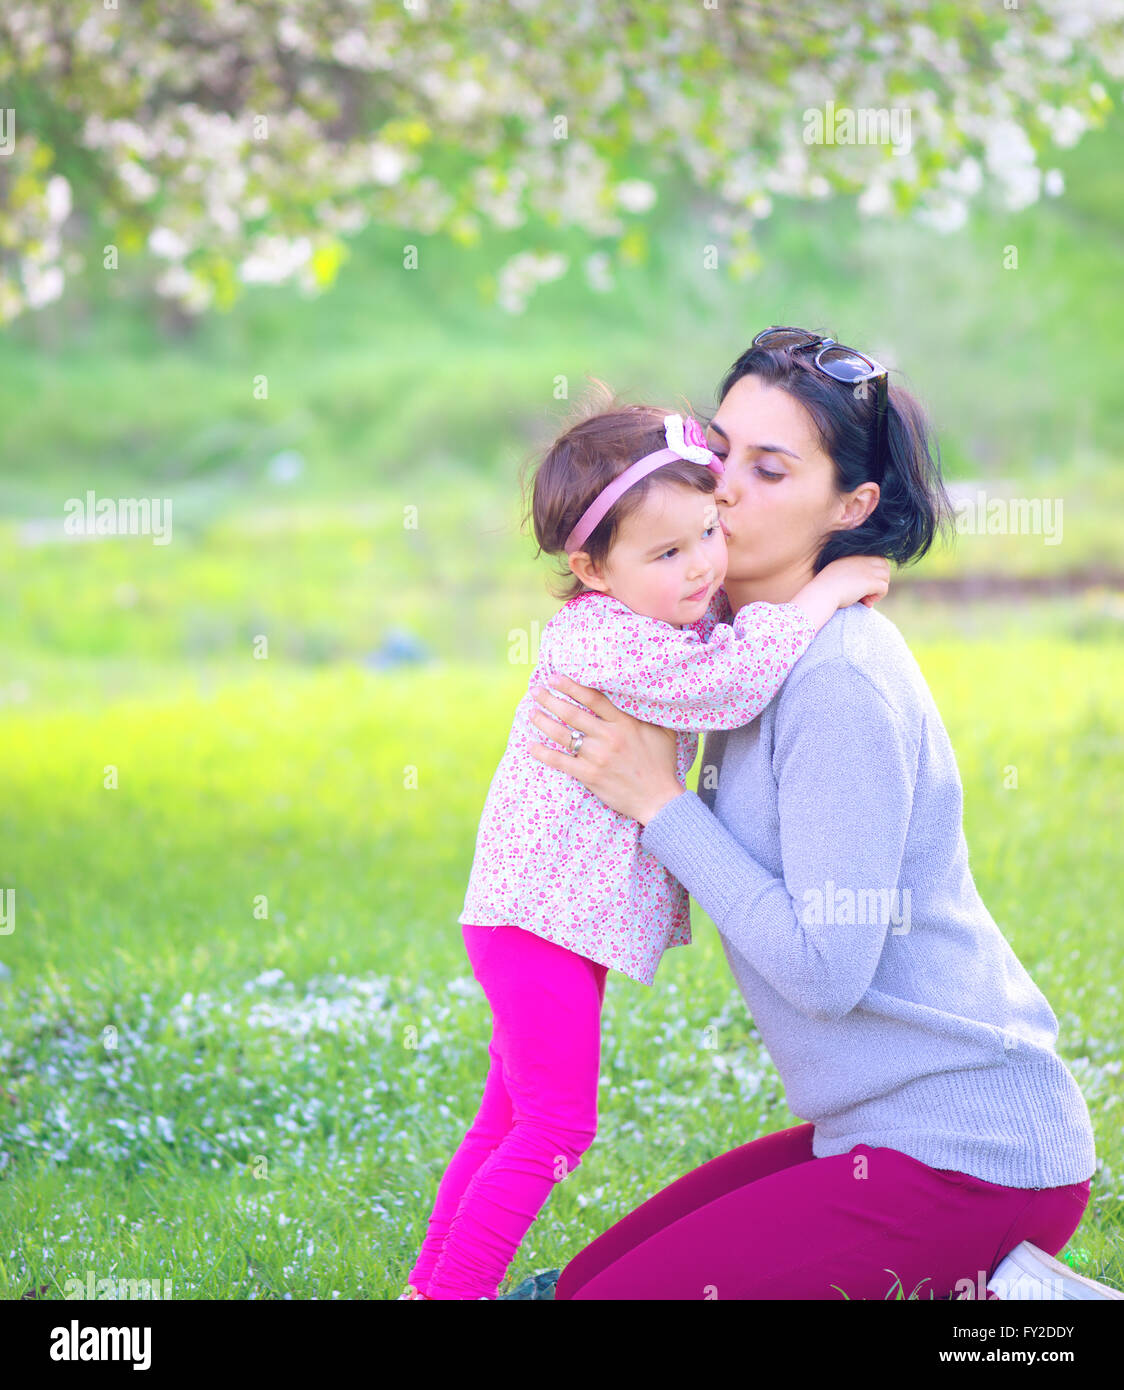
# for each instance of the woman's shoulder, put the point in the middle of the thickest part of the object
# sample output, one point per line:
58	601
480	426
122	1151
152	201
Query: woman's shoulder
859	651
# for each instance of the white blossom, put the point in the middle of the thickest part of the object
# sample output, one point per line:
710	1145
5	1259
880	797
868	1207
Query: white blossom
447	120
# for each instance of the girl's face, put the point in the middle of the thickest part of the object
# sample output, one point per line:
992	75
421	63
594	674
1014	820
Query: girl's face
668	557
777	496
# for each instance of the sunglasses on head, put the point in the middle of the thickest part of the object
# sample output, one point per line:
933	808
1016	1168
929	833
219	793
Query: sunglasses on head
841	364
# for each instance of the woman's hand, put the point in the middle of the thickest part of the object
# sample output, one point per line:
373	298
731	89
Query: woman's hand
629	764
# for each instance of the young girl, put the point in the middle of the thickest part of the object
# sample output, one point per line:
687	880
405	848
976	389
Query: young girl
560	890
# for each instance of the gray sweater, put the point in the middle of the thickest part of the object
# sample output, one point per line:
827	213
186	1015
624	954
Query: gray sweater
826	844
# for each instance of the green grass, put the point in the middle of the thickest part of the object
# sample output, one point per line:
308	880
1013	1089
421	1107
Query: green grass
262	1106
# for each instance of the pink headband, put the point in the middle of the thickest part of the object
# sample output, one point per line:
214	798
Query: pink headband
686	440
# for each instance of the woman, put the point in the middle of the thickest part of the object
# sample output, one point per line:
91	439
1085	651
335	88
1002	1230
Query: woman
826	843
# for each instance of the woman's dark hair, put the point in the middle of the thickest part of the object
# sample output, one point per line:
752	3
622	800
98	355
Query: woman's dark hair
601	440
913	507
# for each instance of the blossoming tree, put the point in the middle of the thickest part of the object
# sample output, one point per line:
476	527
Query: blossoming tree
209	144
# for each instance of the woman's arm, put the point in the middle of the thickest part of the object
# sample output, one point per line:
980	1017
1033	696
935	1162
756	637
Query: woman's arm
630	764
845	765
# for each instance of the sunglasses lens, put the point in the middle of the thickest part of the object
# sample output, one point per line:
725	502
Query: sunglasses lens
784	337
844	365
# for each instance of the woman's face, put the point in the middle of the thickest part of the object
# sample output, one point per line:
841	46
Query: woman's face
777	498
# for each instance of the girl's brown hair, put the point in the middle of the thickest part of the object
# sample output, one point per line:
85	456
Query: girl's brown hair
603	439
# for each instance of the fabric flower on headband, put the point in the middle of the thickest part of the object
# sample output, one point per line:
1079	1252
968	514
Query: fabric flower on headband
688	439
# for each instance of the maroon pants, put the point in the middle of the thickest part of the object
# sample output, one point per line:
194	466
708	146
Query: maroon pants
769	1221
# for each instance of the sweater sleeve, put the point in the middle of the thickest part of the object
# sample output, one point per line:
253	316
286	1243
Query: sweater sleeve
845	765
670	676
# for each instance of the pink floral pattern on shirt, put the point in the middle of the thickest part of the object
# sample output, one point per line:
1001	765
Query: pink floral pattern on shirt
550	856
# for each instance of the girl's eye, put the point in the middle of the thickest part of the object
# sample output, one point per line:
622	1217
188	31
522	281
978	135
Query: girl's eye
708	532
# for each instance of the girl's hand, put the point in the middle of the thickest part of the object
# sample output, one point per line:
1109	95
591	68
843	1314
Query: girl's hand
854	579
629	764
858	579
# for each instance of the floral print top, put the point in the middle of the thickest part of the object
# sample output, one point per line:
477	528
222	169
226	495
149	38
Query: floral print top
550	856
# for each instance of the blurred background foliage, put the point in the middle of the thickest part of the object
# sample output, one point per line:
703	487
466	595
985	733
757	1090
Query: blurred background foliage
410	389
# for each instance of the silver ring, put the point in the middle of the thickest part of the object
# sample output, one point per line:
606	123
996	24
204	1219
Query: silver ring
577	738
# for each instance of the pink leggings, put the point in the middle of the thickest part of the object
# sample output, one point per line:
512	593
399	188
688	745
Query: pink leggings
537	1116
769	1221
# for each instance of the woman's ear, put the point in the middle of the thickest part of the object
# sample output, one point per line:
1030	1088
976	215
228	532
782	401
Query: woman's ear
858	505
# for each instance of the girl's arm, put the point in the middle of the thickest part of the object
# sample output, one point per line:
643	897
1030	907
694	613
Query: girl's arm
718	610
672	677
846	767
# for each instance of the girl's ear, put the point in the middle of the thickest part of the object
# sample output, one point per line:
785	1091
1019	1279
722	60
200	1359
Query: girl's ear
582	567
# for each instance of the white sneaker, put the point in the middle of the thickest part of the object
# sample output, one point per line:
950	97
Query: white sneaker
1028	1272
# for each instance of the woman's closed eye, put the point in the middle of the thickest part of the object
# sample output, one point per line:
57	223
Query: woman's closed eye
766	473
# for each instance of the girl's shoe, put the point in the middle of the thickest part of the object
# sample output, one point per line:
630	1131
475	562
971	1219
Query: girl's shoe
1028	1272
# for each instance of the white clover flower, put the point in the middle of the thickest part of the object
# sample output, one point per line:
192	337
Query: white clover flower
266	979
